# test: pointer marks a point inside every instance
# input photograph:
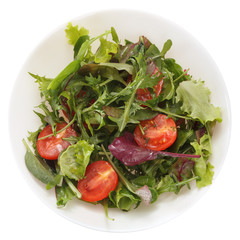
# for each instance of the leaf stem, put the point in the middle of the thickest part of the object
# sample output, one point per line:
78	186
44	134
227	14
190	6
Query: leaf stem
158	109
109	80
187	181
73	188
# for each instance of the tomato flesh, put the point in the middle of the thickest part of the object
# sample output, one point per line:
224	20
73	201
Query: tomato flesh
50	147
159	133
100	179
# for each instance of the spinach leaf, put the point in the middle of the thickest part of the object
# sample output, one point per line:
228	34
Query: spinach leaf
38	167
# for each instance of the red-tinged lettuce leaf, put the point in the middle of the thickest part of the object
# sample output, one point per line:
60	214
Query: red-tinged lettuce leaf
126	150
145	194
183	168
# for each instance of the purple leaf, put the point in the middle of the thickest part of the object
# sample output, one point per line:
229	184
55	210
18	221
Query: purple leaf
126	150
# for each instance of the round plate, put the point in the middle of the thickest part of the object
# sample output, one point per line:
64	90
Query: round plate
54	53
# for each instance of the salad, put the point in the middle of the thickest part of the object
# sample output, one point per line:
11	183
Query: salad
121	125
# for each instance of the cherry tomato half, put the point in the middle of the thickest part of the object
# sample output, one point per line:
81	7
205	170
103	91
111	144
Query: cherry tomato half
159	133
100	179
50	148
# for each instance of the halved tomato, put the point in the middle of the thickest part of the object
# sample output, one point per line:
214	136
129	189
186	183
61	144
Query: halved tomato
50	147
100	179
157	133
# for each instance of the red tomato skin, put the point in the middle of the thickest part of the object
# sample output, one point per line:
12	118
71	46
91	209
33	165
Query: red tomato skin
159	133
50	148
100	179
158	87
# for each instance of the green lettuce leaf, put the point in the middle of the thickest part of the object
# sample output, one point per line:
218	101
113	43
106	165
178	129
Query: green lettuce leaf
103	53
194	97
74	32
123	198
202	168
63	194
74	160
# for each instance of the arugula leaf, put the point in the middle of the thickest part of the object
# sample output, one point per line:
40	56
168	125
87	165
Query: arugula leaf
194	97
73	33
32	137
114	35
74	160
182	137
170	183
43	83
127	116
119	66
175	69
141	114
166	47
167	184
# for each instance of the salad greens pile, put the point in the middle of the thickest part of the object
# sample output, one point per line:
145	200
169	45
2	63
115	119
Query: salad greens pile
96	94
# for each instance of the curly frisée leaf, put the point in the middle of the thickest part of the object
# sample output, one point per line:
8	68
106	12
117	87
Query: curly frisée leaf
103	54
202	168
195	101
74	160
73	33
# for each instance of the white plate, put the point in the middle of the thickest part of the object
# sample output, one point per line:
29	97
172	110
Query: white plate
54	53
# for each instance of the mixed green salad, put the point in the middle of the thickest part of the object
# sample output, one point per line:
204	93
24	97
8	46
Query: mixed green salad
121	125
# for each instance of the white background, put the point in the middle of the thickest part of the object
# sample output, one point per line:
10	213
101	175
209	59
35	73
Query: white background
23	24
